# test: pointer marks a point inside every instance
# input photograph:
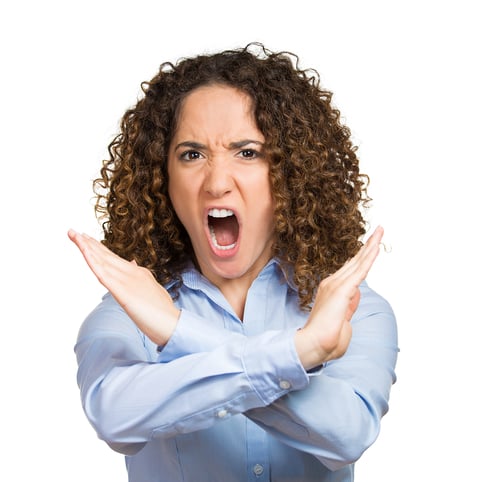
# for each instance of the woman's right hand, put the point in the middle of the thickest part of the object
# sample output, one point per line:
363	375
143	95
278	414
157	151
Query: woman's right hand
136	290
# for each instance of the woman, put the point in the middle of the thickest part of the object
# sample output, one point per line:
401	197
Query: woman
239	340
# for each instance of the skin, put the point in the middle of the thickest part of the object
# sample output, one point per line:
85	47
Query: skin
215	161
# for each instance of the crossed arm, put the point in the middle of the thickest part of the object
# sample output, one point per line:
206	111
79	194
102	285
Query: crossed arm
325	336
333	416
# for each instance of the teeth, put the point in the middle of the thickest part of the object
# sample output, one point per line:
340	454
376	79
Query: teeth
214	239
220	213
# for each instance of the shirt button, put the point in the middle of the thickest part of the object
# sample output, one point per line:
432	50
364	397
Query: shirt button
258	469
284	385
222	413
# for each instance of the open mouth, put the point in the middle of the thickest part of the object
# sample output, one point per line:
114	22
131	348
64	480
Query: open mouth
223	227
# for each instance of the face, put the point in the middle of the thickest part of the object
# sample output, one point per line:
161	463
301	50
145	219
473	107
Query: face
219	183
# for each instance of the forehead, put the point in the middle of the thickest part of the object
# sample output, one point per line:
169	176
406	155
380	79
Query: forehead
216	90
215	104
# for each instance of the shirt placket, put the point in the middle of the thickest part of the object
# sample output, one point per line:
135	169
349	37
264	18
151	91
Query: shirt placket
258	464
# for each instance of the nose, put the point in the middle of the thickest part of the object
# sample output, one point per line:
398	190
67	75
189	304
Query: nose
218	180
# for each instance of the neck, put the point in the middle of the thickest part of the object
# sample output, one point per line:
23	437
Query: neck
235	292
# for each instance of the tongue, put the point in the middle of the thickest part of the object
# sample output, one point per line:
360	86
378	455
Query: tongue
226	230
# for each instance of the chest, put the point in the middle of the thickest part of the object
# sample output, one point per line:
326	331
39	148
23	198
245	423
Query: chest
270	305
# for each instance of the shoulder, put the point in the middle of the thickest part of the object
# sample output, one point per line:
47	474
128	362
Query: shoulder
371	301
374	316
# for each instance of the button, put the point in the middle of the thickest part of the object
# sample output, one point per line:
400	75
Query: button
284	385
258	469
222	413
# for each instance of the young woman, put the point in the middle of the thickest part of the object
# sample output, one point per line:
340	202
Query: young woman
238	340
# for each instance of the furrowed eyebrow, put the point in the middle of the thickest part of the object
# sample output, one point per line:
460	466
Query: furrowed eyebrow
243	143
232	145
190	145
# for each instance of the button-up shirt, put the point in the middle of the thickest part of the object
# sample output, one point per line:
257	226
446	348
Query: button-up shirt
228	400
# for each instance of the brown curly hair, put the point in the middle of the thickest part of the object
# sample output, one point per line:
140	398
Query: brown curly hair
316	184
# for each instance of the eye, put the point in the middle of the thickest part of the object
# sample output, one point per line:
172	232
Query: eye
190	155
249	154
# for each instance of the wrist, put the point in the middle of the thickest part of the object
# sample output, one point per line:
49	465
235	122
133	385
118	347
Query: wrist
307	349
161	332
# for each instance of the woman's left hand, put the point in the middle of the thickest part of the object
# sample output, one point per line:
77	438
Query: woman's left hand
327	333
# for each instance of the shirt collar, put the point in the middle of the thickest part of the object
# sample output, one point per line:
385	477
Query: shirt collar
193	279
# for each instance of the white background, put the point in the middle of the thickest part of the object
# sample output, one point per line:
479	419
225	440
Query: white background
405	78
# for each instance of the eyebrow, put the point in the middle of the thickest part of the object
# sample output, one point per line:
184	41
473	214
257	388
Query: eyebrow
232	145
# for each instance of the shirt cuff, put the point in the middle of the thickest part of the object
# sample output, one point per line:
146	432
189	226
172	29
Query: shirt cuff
272	365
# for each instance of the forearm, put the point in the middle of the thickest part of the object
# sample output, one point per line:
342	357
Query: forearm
330	419
130	399
206	373
338	415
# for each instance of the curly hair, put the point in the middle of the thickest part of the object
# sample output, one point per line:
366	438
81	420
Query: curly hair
317	188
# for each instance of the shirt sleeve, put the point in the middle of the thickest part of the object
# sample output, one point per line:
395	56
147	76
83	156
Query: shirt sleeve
337	417
131	397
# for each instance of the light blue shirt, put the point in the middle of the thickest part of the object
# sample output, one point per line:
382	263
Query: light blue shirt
226	400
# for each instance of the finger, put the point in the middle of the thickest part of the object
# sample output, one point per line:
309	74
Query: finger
80	241
360	268
105	264
96	250
360	264
74	236
370	248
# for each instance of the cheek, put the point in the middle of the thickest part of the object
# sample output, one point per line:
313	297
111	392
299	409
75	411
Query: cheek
180	205
269	211
176	187
183	203
176	197
262	208
264	195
